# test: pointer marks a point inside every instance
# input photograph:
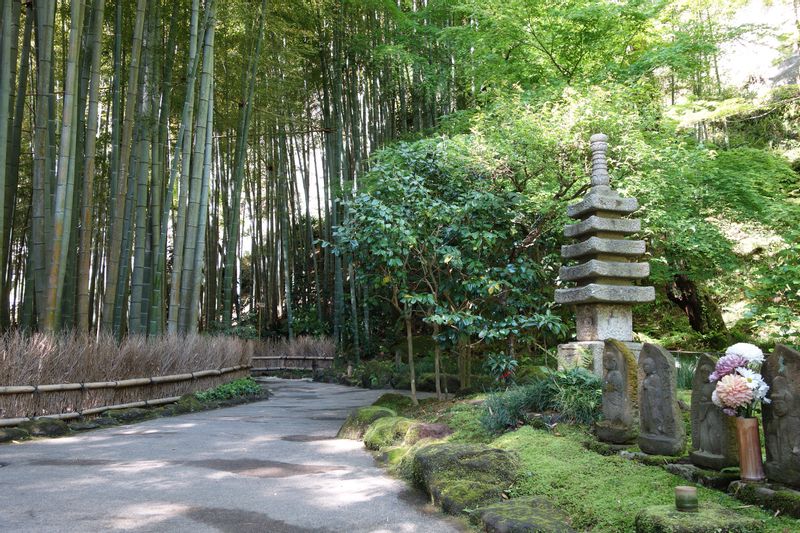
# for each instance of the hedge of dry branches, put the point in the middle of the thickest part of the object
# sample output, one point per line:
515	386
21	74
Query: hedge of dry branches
42	359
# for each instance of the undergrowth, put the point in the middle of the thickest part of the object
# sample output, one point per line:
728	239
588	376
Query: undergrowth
228	391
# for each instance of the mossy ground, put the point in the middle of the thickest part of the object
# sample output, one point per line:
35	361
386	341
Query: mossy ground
387	431
603	493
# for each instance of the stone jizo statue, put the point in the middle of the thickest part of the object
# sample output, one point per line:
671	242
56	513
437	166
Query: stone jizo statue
713	432
781	371
619	394
661	430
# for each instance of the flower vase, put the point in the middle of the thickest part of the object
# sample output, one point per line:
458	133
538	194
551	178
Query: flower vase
752	469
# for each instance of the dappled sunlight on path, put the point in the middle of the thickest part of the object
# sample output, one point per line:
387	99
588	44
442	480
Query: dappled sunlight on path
269	466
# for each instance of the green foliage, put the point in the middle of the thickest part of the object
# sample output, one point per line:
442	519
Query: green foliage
235	389
574	395
501	367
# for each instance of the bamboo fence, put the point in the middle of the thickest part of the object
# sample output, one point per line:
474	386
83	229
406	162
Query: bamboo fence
20	403
267	363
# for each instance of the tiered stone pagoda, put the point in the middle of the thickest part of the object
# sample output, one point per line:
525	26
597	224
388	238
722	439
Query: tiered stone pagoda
605	267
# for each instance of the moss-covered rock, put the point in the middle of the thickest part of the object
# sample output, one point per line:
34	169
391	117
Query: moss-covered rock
772	496
386	431
396	402
188	403
132	414
45	427
83	425
463	476
421	431
709	519
392	456
359	420
707	478
531	514
10	434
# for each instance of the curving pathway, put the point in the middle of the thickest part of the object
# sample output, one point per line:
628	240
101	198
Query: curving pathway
272	466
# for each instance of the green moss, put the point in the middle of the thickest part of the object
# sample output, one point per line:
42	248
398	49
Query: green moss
392	400
393	456
709	519
360	419
45	427
523	514
465	419
602	493
773	497
386	431
462	476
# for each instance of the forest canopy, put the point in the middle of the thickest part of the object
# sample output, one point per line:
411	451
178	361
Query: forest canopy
378	170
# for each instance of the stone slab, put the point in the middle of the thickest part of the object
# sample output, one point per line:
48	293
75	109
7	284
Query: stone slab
595	224
601	202
598	293
595	268
778	498
524	515
604	321
599	245
710	518
781	371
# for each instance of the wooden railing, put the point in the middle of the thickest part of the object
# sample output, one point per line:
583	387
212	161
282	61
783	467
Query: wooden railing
20	403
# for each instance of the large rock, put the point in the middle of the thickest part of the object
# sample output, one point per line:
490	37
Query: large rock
710	518
45	427
132	414
661	430
421	431
778	498
386	431
464	476
782	417
619	395
12	434
359	420
531	514
714	442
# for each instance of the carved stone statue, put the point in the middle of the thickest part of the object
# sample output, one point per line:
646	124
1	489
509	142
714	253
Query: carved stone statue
619	394
781	371
661	430
713	432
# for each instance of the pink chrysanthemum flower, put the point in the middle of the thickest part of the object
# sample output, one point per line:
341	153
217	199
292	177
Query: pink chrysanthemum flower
726	365
733	391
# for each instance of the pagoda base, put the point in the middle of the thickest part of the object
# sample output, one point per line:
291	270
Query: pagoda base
574	354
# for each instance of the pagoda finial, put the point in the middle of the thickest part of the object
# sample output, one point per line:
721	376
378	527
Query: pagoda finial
599	145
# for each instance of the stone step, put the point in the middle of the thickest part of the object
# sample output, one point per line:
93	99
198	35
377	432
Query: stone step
594	268
599	245
594	223
598	293
594	203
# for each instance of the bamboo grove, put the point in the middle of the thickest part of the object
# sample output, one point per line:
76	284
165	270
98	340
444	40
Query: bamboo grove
180	165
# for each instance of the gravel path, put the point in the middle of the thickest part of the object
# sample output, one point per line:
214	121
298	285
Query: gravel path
271	466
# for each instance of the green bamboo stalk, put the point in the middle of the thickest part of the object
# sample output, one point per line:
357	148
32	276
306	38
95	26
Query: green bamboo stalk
62	214
110	300
87	206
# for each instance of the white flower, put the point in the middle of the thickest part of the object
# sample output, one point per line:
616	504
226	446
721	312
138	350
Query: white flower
755	383
751	352
715	399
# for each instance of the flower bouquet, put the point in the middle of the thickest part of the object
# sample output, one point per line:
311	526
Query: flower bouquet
739	390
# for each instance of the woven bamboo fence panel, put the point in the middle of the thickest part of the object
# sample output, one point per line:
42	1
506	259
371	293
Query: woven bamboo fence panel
268	363
70	400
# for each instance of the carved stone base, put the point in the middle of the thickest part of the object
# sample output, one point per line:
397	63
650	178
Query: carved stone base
660	445
615	433
711	460
574	354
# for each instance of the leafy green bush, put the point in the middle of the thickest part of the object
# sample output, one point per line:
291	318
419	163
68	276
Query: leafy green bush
227	391
574	394
685	371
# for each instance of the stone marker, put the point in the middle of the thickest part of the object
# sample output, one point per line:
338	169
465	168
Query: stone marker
619	394
713	432
661	430
606	266
781	371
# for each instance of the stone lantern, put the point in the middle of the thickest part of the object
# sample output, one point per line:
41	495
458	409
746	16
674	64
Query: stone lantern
604	269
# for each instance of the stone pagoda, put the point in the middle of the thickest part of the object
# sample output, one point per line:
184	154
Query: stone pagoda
605	267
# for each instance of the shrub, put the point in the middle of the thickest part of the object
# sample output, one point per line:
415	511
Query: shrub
228	391
575	395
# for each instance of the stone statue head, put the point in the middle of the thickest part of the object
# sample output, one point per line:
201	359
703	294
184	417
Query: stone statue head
781	396
609	362
649	366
